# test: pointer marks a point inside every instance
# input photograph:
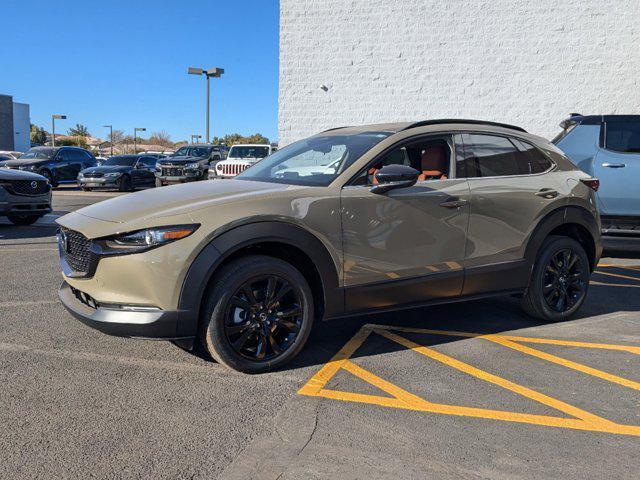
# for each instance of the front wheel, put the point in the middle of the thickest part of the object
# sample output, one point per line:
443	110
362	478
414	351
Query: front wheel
559	281
23	219
159	183
258	314
124	184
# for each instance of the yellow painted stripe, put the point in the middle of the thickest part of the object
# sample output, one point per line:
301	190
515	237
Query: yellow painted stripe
626	277
571	343
613	284
608	265
564	362
494	379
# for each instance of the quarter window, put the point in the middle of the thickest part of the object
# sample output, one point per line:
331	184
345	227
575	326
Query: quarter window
533	161
623	137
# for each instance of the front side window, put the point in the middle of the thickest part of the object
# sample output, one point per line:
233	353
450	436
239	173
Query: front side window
147	161
623	137
313	161
182	152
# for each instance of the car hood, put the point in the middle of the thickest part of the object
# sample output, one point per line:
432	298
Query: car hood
159	203
23	162
6	174
179	160
107	169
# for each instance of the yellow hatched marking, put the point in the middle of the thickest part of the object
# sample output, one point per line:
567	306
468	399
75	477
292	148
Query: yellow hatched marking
402	399
613	284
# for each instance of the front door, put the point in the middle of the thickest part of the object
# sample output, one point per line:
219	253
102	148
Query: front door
617	166
408	245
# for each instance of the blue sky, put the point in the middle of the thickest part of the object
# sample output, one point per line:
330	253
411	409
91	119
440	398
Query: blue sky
125	63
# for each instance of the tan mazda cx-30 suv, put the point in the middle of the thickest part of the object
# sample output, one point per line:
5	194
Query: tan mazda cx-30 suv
352	220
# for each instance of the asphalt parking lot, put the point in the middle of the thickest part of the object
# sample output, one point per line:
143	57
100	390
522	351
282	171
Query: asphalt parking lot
472	390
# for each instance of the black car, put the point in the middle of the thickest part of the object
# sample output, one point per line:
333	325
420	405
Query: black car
189	163
56	164
24	196
124	172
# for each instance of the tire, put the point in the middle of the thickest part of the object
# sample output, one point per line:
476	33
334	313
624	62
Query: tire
124	184
236	344
50	178
159	183
86	189
557	296
23	219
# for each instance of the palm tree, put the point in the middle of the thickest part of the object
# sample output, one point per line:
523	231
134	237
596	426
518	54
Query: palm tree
79	131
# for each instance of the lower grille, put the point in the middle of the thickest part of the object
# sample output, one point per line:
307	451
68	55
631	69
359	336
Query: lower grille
85	298
172	172
28	187
75	248
94	175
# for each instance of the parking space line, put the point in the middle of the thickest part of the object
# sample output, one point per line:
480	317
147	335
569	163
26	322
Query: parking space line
401	399
626	277
613	284
564	362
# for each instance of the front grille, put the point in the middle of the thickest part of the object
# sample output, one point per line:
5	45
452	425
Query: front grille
28	187
93	175
172	172
75	249
233	168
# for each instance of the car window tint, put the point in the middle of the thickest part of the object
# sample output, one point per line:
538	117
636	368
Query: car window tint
490	156
623	136
533	161
147	161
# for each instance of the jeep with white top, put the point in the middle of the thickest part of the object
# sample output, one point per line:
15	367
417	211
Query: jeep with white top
240	158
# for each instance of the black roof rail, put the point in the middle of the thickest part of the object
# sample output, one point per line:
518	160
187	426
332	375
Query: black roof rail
458	120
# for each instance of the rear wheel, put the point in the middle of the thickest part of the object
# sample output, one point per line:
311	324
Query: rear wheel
560	280
159	183
258	314
23	219
86	189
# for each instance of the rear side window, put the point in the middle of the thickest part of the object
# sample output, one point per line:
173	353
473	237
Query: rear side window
533	161
490	156
622	137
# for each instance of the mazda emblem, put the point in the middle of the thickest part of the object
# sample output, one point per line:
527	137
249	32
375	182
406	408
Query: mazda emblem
34	184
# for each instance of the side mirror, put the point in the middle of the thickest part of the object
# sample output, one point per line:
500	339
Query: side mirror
394	176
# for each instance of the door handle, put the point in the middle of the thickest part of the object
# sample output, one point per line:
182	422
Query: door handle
547	193
614	165
454	203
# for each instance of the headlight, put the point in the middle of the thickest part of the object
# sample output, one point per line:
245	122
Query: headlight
192	166
142	240
80	175
112	174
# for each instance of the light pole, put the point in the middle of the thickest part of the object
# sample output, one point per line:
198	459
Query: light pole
197	137
135	133
53	127
110	127
212	72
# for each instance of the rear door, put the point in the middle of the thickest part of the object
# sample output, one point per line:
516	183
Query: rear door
62	165
407	245
617	165
509	192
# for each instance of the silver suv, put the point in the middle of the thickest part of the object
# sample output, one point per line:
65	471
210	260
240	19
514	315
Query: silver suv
352	220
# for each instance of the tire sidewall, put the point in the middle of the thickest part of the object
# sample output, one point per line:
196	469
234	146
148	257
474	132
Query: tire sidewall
225	284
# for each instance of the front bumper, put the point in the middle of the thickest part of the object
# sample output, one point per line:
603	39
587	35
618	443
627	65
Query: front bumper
103	182
24	204
121	320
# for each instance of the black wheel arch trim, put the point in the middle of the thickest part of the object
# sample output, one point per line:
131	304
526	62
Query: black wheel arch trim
230	241
557	218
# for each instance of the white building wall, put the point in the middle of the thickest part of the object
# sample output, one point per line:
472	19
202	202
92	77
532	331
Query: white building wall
21	127
526	62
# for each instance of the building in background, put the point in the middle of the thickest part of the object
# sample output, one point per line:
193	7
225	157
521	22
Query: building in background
513	61
15	125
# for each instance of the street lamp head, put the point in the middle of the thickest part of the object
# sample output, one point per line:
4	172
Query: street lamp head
59	117
195	71
106	126
215	72
140	129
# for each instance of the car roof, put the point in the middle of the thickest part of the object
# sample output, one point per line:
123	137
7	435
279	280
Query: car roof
441	124
250	145
597	119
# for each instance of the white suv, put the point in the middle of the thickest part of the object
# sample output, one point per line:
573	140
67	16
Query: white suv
240	158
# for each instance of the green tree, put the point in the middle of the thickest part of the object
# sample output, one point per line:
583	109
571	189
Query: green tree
235	138
37	135
78	131
72	141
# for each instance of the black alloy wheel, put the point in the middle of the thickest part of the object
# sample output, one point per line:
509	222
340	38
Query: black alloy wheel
263	318
258	314
563	280
19	219
124	184
559	281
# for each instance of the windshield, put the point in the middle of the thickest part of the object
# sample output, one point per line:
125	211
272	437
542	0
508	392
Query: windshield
193	152
39	153
120	162
248	152
313	161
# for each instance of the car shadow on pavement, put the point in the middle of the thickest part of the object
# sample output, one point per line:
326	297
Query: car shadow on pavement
10	232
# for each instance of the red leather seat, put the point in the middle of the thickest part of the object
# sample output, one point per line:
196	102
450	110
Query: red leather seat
434	163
